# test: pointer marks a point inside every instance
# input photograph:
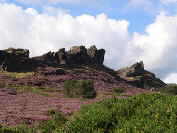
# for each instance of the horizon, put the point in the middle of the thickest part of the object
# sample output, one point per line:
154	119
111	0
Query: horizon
129	32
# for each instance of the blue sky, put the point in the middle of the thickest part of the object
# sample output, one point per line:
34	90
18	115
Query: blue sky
129	30
139	13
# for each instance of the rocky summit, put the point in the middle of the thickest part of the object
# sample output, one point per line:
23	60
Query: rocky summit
18	59
138	76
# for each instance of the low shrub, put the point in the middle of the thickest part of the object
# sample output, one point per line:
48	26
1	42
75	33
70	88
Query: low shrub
54	124
145	113
79	88
18	129
2	85
118	90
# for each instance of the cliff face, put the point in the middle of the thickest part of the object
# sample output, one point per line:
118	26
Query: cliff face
18	59
138	76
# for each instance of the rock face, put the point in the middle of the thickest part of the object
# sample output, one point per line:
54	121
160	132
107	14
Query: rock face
14	59
18	59
138	76
77	55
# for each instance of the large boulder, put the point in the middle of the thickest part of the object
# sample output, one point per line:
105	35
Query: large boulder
139	77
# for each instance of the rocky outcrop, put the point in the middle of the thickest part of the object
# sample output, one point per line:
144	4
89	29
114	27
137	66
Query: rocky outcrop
14	59
77	55
18	59
138	76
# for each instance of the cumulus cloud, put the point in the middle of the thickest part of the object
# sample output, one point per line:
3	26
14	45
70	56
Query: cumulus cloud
157	47
41	32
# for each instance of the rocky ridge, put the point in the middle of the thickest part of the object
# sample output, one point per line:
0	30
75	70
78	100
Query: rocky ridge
18	59
137	75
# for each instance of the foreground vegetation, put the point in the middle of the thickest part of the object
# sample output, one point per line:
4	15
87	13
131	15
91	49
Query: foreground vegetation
145	113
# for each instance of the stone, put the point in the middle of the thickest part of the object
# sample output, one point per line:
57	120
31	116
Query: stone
61	57
18	59
139	77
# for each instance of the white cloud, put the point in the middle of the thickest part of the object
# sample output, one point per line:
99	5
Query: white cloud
41	32
171	78
157	47
168	1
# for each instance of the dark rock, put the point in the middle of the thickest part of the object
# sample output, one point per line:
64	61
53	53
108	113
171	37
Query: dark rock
96	56
139	77
13	59
18	59
77	55
61	57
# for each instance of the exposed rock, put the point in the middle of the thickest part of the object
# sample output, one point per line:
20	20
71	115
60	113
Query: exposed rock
138	76
61	57
18	59
14	59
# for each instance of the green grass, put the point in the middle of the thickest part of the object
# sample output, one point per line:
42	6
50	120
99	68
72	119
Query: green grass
17	74
44	91
146	113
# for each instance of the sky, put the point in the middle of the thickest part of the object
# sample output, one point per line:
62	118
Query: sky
129	30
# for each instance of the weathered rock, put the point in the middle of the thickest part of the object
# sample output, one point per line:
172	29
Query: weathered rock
77	55
18	59
96	56
14	59
61	57
138	76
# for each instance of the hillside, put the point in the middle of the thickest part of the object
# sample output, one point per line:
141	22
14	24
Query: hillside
30	88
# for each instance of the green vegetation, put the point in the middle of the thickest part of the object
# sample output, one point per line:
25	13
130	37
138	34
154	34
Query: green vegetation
118	90
2	84
18	129
79	88
146	113
34	89
17	74
169	89
54	125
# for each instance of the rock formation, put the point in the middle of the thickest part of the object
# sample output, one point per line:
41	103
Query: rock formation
138	76
14	59
18	59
